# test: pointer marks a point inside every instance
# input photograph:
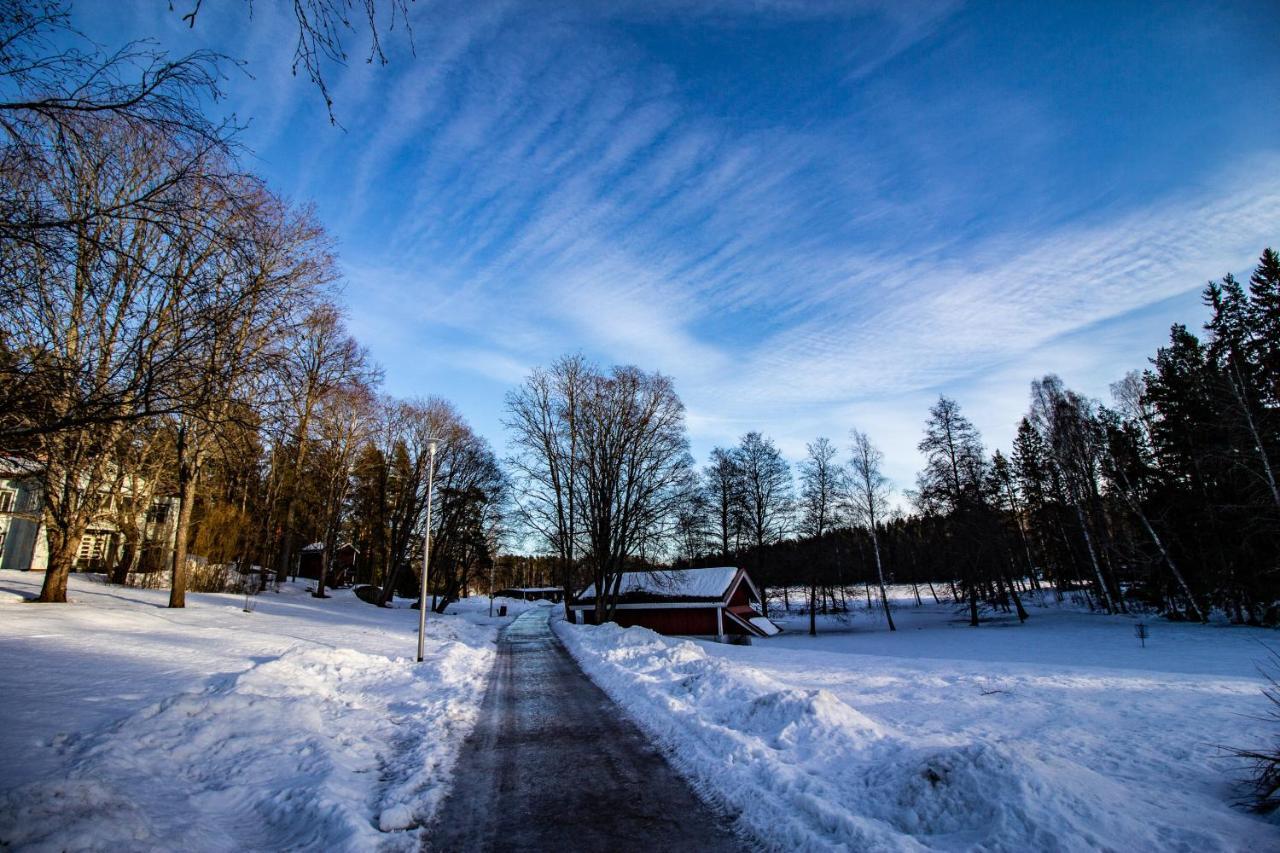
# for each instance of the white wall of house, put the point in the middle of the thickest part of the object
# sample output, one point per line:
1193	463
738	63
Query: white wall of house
24	546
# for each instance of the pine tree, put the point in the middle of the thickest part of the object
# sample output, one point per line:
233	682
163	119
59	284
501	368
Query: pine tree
1264	288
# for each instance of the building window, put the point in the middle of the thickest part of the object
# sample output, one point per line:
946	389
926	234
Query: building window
93	546
7	498
158	514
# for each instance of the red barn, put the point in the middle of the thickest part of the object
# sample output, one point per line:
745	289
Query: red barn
694	602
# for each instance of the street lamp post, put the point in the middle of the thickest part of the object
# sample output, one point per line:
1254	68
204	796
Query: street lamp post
426	550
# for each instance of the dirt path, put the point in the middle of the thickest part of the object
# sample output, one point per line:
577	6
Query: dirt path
554	764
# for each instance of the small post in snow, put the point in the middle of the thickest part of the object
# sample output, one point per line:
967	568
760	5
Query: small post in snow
248	586
1140	631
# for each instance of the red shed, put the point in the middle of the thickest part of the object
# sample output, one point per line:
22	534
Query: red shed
341	567
695	602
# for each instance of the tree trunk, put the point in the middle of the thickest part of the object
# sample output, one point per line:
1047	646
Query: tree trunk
120	573
1268	475
1017	600
186	497
389	587
61	556
1093	558
1177	575
884	592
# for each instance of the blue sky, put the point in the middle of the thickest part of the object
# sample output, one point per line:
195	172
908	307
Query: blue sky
812	215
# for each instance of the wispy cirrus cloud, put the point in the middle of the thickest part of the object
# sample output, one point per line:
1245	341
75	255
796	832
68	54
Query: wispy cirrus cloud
813	215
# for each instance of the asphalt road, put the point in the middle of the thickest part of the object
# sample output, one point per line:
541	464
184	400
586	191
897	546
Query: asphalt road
554	764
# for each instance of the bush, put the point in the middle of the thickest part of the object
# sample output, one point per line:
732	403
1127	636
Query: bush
148	580
203	576
1264	763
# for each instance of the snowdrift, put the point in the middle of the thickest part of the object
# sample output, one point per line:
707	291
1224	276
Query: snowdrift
316	749
802	770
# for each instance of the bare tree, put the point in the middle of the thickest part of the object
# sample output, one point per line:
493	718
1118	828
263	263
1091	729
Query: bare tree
322	29
822	489
106	327
467	510
869	499
65	106
634	458
344	421
766	494
951	485
259	270
693	532
405	434
321	359
468	502
1075	443
725	497
543	418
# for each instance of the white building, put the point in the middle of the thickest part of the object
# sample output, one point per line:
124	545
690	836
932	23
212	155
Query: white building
24	546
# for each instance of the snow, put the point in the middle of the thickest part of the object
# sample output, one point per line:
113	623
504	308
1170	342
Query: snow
765	625
303	724
1061	734
676	584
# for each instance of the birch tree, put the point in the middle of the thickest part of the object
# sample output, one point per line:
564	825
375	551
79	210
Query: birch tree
869	499
822	491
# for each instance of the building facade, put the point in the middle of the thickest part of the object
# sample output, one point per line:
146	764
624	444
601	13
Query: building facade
140	538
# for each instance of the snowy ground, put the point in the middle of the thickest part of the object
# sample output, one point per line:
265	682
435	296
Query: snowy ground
1061	734
304	724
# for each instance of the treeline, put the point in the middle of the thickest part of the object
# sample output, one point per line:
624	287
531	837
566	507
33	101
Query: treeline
169	327
1165	497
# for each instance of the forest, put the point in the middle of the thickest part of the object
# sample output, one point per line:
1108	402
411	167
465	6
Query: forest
170	326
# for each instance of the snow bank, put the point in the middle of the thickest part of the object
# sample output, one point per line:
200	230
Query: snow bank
289	754
326	739
803	770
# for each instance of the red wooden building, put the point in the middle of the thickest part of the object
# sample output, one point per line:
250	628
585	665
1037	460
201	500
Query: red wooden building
714	602
341	569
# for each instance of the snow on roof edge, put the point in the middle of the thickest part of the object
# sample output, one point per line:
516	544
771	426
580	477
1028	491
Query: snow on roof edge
711	583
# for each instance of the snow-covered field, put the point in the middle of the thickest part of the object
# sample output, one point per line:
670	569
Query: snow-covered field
304	724
1060	734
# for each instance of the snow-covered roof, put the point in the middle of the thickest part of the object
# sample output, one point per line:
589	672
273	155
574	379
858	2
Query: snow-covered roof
674	585
765	625
314	546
